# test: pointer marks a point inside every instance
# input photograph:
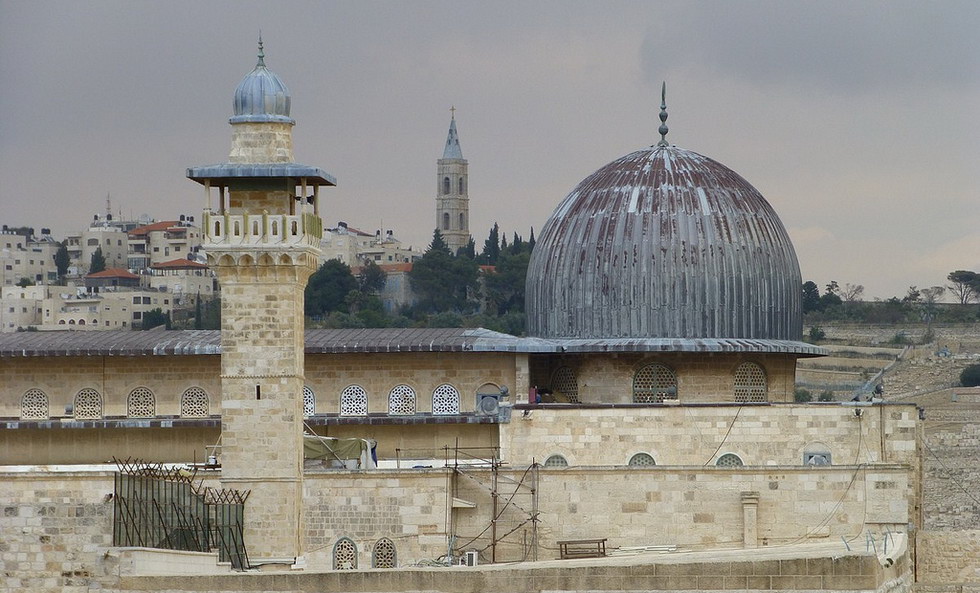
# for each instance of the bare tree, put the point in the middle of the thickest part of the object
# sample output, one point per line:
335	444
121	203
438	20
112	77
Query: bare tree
851	292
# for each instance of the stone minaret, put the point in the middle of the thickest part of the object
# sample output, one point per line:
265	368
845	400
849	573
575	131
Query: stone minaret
263	241
452	199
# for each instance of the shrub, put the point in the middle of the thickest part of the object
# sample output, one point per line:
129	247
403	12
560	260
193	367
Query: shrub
826	396
816	334
899	338
801	396
970	377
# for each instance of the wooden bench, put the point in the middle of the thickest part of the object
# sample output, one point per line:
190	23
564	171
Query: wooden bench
582	548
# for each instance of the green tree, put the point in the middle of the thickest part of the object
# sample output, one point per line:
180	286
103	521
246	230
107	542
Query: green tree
443	282
155	318
25	282
505	285
62	260
811	297
468	250
97	263
965	285
328	288
970	377
491	247
371	279
831	296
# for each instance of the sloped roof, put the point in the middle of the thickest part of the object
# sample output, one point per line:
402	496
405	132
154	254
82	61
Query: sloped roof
179	264
156	226
114	273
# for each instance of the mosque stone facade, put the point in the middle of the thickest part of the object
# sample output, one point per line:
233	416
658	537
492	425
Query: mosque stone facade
651	406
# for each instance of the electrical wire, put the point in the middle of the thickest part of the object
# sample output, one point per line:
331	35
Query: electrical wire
725	438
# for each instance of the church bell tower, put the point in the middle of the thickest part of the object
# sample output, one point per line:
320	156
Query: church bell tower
452	197
262	233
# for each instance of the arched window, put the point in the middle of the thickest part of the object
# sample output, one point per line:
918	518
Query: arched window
462	221
642	460
383	555
141	403
750	383
194	403
445	185
81	322
654	383
238	229
729	460
462	186
445	400
445	221
816	454
217	228
353	401
88	405
309	402
556	461
401	401
34	405
564	382
294	229
275	227
255	227
345	554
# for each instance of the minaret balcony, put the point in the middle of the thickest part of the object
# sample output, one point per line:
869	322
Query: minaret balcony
250	230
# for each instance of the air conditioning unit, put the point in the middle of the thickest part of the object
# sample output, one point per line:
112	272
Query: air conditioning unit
487	405
472	558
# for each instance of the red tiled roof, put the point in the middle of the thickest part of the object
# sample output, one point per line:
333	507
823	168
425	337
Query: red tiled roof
113	273
179	264
156	226
402	267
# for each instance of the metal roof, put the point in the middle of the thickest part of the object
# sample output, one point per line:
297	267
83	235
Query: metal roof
261	96
160	342
452	150
225	171
664	243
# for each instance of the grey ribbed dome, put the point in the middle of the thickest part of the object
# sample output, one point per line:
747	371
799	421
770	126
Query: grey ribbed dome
664	243
261	96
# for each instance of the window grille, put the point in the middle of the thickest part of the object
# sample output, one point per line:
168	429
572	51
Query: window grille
309	402
88	405
563	381
384	555
445	400
194	403
654	383
642	460
345	554
141	403
34	405
750	383
816	454
556	461
353	401
401	401
729	460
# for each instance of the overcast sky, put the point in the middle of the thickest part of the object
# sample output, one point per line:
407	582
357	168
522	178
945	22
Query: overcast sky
858	121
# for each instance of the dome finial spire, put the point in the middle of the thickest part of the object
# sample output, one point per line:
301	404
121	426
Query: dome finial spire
663	116
261	51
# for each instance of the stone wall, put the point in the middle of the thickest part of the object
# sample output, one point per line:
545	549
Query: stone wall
948	557
55	530
701	377
698	435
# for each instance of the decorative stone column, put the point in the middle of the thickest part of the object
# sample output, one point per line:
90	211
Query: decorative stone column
750	519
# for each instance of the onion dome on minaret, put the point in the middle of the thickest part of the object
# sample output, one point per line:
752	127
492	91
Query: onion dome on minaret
261	96
670	247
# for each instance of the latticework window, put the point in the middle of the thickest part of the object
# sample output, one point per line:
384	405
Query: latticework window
401	400
729	460
445	400
309	402
194	403
556	461
563	381
345	554
642	460
654	383
141	403
353	401
34	405
88	405
383	555
750	383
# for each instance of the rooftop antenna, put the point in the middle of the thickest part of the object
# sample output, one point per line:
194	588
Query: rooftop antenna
663	116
